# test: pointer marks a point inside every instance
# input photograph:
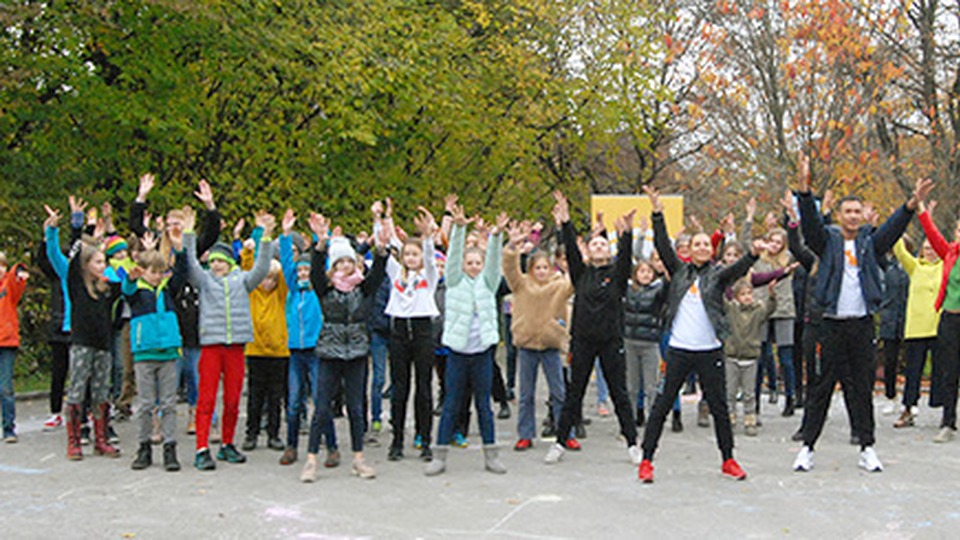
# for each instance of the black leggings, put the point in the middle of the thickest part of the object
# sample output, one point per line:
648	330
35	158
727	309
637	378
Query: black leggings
59	365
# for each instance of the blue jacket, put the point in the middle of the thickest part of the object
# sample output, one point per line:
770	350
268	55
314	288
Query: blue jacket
871	244
303	313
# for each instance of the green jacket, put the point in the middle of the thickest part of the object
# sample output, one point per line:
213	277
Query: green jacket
466	295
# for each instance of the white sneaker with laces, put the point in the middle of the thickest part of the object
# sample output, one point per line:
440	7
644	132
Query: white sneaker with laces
636	456
804	460
869	460
554	455
53	422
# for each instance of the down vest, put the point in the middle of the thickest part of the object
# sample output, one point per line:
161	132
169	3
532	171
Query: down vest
345	334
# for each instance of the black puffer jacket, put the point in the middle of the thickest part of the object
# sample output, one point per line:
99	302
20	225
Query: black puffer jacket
714	280
345	334
641	311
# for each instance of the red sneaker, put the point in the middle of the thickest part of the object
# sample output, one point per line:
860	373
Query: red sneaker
732	469
523	444
645	472
573	444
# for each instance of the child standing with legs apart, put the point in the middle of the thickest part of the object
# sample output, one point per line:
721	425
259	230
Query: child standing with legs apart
155	343
742	348
470	331
597	325
538	327
91	301
344	342
225	327
12	284
695	320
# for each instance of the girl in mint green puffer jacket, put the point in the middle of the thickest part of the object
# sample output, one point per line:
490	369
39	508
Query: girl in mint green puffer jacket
471	332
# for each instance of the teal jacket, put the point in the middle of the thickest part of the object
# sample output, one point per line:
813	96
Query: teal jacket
466	294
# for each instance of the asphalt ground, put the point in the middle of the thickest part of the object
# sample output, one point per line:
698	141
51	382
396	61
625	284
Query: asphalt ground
593	493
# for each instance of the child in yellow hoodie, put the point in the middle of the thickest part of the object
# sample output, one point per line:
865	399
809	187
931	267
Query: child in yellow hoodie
267	355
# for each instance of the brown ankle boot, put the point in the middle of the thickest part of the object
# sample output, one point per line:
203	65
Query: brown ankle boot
74	452
101	445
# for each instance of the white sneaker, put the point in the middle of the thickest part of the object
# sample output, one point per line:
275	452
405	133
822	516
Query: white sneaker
869	460
636	456
53	422
554	455
890	407
945	435
804	461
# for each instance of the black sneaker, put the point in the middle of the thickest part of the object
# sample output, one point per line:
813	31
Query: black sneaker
144	457
504	412
204	461
85	435
549	432
395	453
580	431
426	454
249	443
276	444
798	436
170	461
230	454
112	437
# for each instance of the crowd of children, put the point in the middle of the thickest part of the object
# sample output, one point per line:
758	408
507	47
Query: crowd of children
305	317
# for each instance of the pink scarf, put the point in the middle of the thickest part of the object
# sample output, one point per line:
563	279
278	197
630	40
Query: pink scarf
346	282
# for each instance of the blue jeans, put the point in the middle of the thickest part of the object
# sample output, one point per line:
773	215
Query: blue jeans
333	373
7	356
188	373
529	360
603	391
303	372
378	353
478	369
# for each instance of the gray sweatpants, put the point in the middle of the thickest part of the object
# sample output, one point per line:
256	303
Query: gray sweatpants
156	387
741	377
643	362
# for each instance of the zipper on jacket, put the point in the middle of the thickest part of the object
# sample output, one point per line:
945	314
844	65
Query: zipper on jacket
226	290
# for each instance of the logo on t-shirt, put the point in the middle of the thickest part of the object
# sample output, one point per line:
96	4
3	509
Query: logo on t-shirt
851	257
694	290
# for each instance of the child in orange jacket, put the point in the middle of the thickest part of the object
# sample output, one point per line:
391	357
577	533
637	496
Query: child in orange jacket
12	284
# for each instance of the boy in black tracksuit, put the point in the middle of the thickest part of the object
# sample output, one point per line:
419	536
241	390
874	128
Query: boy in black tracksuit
600	286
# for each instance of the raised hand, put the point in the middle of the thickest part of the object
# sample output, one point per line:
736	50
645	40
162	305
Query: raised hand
449	202
459	218
266	221
870	214
625	222
382	240
337	232
99	229
751	208
149	241
389	211
786	202
803	173
561	209
599	227
425	222
321	228
135	273
289	220
106	210
826	204
923	188
728	224
791	267
189	219
205	194
146	184
515	234
654	196
930	206
77	204
501	224
376	209
759	246
53	217
238	228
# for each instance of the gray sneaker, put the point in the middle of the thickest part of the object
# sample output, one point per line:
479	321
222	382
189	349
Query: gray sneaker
945	435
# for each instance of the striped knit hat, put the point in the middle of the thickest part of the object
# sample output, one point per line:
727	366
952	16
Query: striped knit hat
116	244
